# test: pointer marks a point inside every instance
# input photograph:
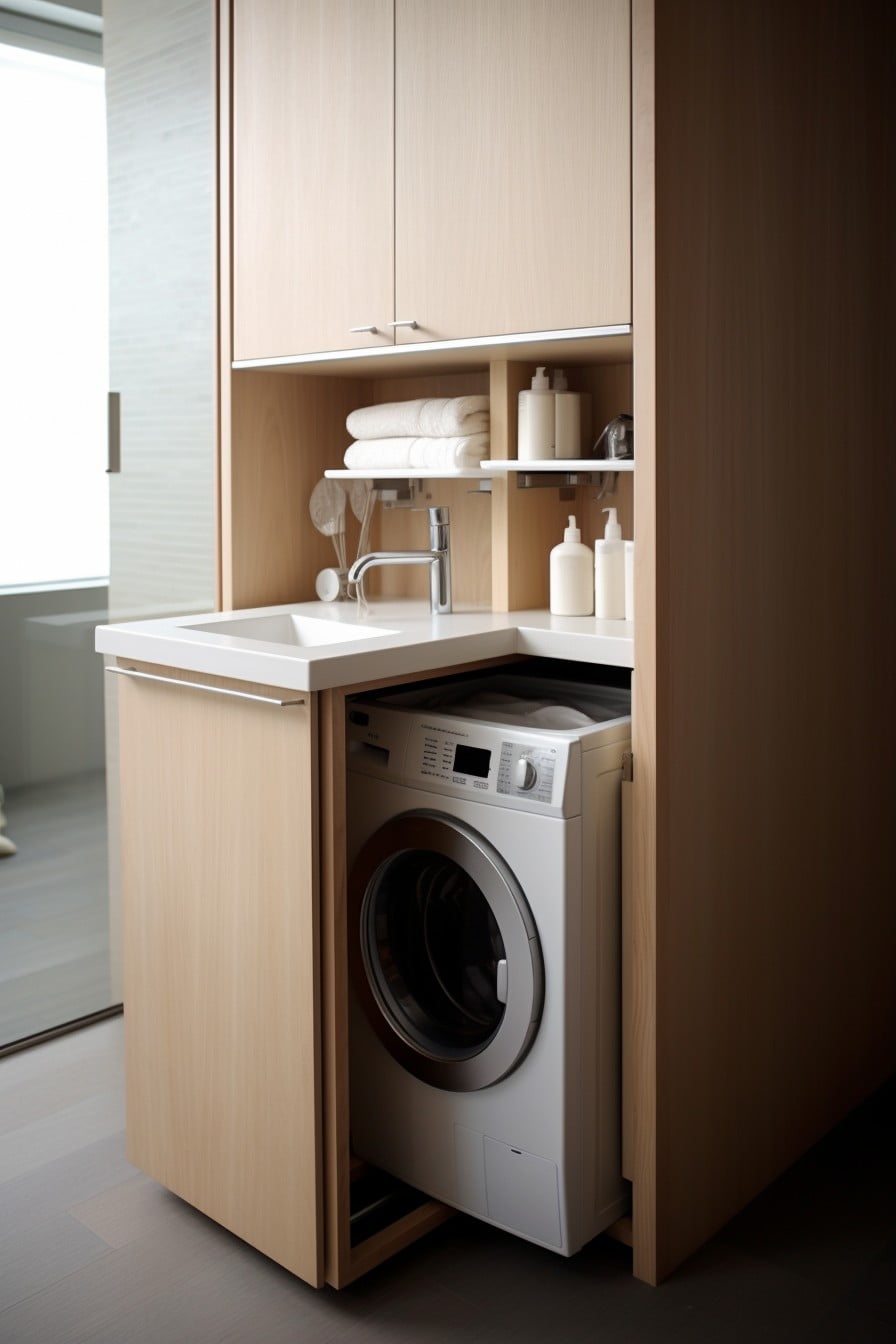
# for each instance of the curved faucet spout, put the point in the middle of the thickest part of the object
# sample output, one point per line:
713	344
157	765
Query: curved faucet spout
438	557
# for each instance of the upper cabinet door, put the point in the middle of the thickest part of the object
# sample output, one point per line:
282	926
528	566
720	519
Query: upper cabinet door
512	161
312	175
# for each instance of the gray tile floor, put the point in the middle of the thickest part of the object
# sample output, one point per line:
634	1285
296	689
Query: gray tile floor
91	1250
54	906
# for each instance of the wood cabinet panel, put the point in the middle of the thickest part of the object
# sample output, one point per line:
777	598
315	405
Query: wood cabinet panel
312	175
512	173
221	978
285	431
765	1001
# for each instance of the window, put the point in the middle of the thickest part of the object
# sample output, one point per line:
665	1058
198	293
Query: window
54	523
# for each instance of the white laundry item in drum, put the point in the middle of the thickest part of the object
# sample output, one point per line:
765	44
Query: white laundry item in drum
558	716
562	712
513	709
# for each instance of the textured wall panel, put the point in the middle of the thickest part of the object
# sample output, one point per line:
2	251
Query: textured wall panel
160	85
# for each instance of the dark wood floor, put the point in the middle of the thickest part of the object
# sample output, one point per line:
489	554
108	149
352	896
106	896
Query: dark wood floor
54	906
92	1252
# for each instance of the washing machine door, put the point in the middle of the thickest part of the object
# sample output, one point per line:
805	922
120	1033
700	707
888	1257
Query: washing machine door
444	951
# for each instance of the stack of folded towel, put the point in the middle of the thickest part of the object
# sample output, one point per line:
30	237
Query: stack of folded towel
435	432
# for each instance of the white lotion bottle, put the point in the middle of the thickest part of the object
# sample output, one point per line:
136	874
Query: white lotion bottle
572	570
567	418
609	572
535	420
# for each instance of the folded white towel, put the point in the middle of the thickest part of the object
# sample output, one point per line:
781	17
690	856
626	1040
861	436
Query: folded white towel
466	450
463	450
432	417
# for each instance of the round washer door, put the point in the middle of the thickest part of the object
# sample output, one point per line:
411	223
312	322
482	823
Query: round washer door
444	951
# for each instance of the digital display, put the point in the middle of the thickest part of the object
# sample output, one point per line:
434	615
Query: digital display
471	761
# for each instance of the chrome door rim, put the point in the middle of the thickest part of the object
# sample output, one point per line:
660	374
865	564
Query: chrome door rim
444	835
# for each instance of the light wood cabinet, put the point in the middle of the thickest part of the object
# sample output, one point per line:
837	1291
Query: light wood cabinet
494	199
512	166
312	171
221	960
759	925
762	918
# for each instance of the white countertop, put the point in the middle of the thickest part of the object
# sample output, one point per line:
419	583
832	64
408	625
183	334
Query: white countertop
412	640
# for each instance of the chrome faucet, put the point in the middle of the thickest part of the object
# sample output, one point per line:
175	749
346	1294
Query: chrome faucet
438	557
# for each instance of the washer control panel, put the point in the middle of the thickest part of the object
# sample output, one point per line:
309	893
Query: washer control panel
480	759
502	764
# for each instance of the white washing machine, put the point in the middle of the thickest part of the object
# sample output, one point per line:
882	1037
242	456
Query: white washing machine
484	898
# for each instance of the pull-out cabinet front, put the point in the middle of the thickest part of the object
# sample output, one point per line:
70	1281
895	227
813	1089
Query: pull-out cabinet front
235	988
221	985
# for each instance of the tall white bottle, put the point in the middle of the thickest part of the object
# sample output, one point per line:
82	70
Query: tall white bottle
572	575
609	572
535	420
567	418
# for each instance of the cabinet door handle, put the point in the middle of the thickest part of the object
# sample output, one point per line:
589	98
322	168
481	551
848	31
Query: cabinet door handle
202	686
372	330
405	322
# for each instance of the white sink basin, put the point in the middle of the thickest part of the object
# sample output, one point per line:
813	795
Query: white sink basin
297	631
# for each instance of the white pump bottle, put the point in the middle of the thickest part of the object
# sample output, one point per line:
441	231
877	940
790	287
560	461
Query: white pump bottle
535	420
572	569
609	572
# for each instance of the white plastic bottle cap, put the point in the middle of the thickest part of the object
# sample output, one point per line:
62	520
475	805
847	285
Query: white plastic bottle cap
540	381
572	532
560	383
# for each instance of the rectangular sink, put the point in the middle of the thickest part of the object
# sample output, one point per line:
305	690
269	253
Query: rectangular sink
297	631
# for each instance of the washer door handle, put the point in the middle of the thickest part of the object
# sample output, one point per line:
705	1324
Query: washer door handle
501	984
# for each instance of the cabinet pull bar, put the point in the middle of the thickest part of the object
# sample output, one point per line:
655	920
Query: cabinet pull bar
201	686
354	330
405	322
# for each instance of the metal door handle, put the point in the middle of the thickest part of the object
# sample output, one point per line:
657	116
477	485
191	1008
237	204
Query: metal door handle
203	686
354	330
113	448
405	322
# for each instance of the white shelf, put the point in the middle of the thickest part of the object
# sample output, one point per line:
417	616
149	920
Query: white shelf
408	474
483	472
560	464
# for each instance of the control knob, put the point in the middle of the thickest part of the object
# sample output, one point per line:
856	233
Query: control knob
525	776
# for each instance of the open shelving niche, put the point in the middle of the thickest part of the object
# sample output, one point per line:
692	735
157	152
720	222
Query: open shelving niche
287	429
